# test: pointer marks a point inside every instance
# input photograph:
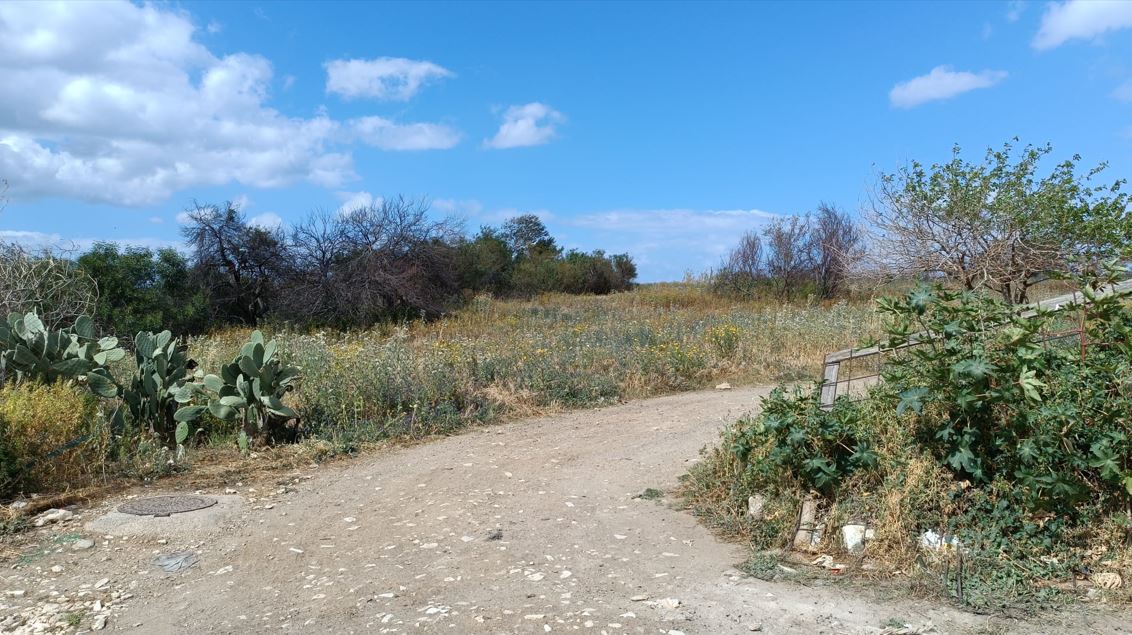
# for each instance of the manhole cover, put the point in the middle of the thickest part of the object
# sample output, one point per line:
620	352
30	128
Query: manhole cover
166	505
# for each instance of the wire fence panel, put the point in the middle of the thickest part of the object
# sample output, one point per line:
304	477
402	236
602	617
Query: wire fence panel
852	371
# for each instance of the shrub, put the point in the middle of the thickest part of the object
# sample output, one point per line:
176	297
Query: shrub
1017	446
51	437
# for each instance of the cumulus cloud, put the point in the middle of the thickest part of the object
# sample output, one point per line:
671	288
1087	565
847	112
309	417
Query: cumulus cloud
527	125
387	135
266	220
356	200
118	103
941	83
1081	19
386	78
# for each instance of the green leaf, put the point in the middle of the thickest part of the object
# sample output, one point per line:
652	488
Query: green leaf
161	340
234	402
144	345
213	383
182	432
975	369
912	399
283	411
189	413
1030	384
220	411
71	367
107	343
269	350
101	385
84	327
919	299
248	367
33	324
242	441
184	394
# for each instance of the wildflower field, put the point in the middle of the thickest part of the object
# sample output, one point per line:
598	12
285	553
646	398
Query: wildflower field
509	358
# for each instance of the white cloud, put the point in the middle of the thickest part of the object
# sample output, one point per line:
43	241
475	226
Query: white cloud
56	242
356	200
1123	92
387	135
214	27
119	103
1014	10
156	220
1081	19
941	83
390	78
527	125
702	237
183	218
266	220
31	240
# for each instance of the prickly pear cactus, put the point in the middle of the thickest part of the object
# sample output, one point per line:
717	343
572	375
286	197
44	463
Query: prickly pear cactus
250	390
32	351
163	370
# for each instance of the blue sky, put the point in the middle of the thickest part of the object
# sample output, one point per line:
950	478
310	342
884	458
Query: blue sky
664	130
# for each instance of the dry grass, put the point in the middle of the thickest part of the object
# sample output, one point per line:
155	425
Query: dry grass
505	358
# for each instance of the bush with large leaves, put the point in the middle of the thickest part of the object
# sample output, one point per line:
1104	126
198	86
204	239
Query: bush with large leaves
32	351
248	391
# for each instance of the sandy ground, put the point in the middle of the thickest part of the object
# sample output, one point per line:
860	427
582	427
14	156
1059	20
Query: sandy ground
409	541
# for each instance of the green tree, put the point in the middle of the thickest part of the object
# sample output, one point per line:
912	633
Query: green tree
999	224
486	263
143	290
527	236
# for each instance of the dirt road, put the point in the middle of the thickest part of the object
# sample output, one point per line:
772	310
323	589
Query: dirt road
529	527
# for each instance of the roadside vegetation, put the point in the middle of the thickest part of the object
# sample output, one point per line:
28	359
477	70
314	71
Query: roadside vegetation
992	463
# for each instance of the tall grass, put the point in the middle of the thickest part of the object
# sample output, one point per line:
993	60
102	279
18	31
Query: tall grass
496	358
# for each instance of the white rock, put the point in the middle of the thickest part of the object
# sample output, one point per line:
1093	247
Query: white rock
99	623
82	545
723	386
853	537
101	583
52	516
755	505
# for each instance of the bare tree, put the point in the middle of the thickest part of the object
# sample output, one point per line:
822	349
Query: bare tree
45	283
367	264
837	242
790	254
747	258
317	248
239	264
